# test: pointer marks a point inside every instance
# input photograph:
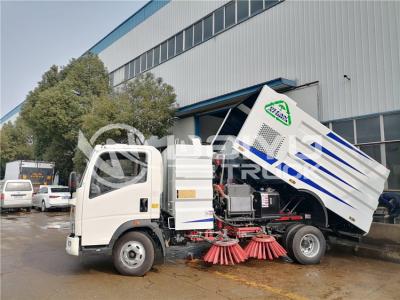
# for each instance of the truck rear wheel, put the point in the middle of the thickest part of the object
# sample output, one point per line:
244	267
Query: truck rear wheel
133	254
308	245
287	237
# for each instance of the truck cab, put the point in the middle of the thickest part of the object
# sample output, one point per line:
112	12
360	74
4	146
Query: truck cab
119	190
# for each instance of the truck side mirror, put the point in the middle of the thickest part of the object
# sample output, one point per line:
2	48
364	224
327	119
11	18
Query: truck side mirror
72	182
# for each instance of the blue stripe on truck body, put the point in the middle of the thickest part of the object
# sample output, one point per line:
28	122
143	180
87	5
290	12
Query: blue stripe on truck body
344	143
201	220
292	172
258	153
323	169
331	154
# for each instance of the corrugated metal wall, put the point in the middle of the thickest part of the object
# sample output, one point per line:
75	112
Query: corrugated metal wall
166	22
300	40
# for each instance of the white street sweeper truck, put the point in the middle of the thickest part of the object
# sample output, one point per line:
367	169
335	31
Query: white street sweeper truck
134	201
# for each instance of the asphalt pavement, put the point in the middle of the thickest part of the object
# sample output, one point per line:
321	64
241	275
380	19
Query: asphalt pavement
34	265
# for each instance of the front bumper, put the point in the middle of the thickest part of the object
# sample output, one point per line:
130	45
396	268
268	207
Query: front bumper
72	245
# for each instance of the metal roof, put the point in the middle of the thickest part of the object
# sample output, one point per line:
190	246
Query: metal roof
279	84
138	17
11	113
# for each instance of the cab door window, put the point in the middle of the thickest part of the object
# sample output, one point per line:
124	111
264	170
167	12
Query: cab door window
114	170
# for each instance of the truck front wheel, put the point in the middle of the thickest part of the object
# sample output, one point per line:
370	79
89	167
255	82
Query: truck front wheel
308	245
133	254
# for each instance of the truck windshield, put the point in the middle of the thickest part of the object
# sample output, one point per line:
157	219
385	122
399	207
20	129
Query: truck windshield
18	186
60	190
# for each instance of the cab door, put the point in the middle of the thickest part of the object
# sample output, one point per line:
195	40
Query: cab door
119	191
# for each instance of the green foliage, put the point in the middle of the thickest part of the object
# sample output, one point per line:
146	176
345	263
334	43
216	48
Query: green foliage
78	97
146	103
15	143
152	103
54	110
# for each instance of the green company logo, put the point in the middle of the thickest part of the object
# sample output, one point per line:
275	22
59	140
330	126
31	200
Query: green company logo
280	111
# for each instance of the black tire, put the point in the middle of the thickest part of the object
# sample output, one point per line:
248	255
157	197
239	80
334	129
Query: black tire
308	245
28	210
43	207
145	247
287	238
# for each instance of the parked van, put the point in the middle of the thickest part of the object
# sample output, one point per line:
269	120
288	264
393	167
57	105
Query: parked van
16	194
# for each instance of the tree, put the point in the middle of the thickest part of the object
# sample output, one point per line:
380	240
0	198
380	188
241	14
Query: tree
54	110
146	103
78	96
152	103
15	143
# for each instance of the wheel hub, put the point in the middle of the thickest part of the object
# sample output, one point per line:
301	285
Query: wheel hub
133	254
310	245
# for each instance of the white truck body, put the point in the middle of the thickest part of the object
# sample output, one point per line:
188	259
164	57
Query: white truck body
38	172
188	192
111	205
289	143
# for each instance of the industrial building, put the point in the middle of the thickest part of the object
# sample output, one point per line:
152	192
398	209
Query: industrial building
339	60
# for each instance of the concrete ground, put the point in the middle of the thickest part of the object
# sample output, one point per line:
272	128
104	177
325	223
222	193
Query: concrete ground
34	265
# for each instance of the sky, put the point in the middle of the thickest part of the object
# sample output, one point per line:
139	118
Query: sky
38	34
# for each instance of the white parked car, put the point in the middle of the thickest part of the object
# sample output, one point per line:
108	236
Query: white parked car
51	196
16	194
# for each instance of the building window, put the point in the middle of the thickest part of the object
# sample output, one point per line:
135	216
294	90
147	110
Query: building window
111	78
373	151
189	38
270	3
393	164
208	27
156	55
126	72
164	51
391	124
368	130
223	17
179	42
132	69
137	66
345	129
149	59
242	9
218	20
384	148
143	63
256	6
198	33
229	14
171	47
